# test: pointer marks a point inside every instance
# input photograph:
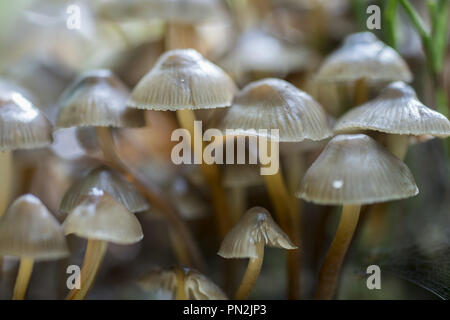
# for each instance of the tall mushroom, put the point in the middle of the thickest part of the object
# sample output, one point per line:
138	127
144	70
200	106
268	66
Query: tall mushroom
351	171
276	104
22	126
247	239
29	231
99	219
362	58
184	81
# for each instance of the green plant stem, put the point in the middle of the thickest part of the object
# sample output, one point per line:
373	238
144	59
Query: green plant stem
390	22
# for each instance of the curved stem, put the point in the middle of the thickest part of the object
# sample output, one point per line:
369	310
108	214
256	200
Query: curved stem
6	171
360	94
181	290
288	218
106	142
93	257
251	274
211	173
397	144
23	278
329	272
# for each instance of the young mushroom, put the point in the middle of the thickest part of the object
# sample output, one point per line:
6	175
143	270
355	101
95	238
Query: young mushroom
184	81
183	284
397	112
276	104
22	126
247	239
29	231
351	171
100	219
362	58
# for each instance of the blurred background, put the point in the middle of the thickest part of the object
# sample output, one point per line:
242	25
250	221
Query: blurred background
45	44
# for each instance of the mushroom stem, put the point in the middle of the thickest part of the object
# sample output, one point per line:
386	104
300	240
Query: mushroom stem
181	291
288	218
361	92
23	278
397	144
251	274
238	199
93	257
106	142
329	272
180	36
211	173
6	171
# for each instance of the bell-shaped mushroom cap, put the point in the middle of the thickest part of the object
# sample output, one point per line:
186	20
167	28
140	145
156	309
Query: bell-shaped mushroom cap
274	104
28	229
362	55
22	125
254	226
99	216
97	98
183	79
354	169
241	175
109	181
396	110
199	287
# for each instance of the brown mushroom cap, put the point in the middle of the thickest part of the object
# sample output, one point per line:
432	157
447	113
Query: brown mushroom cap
183	79
396	110
362	55
22	125
354	169
110	181
98	216
254	226
274	104
28	229
97	98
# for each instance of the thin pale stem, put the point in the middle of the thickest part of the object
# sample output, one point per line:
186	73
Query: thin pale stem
6	171
211	173
397	144
360	92
23	278
251	274
107	145
331	267
93	257
181	290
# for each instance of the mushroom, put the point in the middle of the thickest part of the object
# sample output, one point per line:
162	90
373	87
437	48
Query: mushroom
276	104
22	126
351	171
247	239
100	219
361	58
183	81
111	182
183	284
29	231
397	112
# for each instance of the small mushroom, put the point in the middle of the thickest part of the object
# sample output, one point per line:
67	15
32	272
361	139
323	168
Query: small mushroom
29	231
247	239
22	126
352	170
111	182
100	219
397	112
182	283
184	81
361	58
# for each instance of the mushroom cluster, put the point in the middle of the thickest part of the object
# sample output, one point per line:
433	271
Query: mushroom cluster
152	165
